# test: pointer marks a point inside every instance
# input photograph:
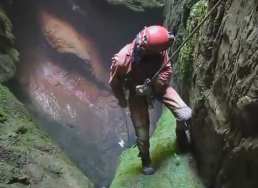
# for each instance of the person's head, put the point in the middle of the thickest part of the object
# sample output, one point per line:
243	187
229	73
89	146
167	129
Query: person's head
154	39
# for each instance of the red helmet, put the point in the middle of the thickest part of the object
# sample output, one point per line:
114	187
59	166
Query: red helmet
155	38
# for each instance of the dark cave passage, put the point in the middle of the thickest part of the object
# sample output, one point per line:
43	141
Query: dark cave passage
65	53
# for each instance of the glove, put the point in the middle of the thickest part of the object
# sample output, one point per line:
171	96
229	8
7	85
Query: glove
142	90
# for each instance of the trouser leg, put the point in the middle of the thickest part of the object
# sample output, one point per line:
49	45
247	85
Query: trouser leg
180	110
140	117
183	136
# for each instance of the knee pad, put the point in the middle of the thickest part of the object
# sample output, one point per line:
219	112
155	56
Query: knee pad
183	114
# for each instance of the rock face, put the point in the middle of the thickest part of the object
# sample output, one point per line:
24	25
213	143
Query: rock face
172	170
223	84
138	5
62	76
27	156
177	20
9	55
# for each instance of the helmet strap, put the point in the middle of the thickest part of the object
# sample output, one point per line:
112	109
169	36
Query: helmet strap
144	35
137	55
138	39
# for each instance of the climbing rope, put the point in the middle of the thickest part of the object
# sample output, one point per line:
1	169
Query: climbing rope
148	82
127	145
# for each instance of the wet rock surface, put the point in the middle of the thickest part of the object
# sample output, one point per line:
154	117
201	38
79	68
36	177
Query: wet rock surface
62	76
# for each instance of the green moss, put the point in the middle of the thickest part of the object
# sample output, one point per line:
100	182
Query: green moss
184	68
3	116
10	174
8	55
7	68
26	153
12	53
138	5
172	171
6	25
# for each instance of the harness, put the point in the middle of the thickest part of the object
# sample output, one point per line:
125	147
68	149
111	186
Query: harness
127	82
129	79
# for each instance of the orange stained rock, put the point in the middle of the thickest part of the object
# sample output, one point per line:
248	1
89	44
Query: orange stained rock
59	94
65	39
42	67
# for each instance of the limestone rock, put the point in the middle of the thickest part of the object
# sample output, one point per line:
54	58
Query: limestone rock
222	90
139	5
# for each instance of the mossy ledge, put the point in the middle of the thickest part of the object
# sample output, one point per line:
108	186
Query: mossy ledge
172	170
28	157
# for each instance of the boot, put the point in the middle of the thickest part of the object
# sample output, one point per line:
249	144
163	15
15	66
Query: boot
182	139
147	169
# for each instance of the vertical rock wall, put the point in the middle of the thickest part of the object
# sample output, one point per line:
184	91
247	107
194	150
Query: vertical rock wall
222	89
225	96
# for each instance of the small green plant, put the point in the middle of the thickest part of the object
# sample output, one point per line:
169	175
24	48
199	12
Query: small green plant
177	159
3	116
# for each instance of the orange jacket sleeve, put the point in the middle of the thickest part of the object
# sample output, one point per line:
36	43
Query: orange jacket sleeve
163	77
114	82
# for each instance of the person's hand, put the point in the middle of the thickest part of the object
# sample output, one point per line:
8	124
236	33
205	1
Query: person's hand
142	90
122	103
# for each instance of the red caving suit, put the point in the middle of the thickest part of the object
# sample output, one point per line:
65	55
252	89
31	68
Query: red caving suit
122	65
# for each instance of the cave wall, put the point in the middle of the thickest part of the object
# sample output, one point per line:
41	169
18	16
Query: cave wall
28	158
65	54
220	83
178	20
138	5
